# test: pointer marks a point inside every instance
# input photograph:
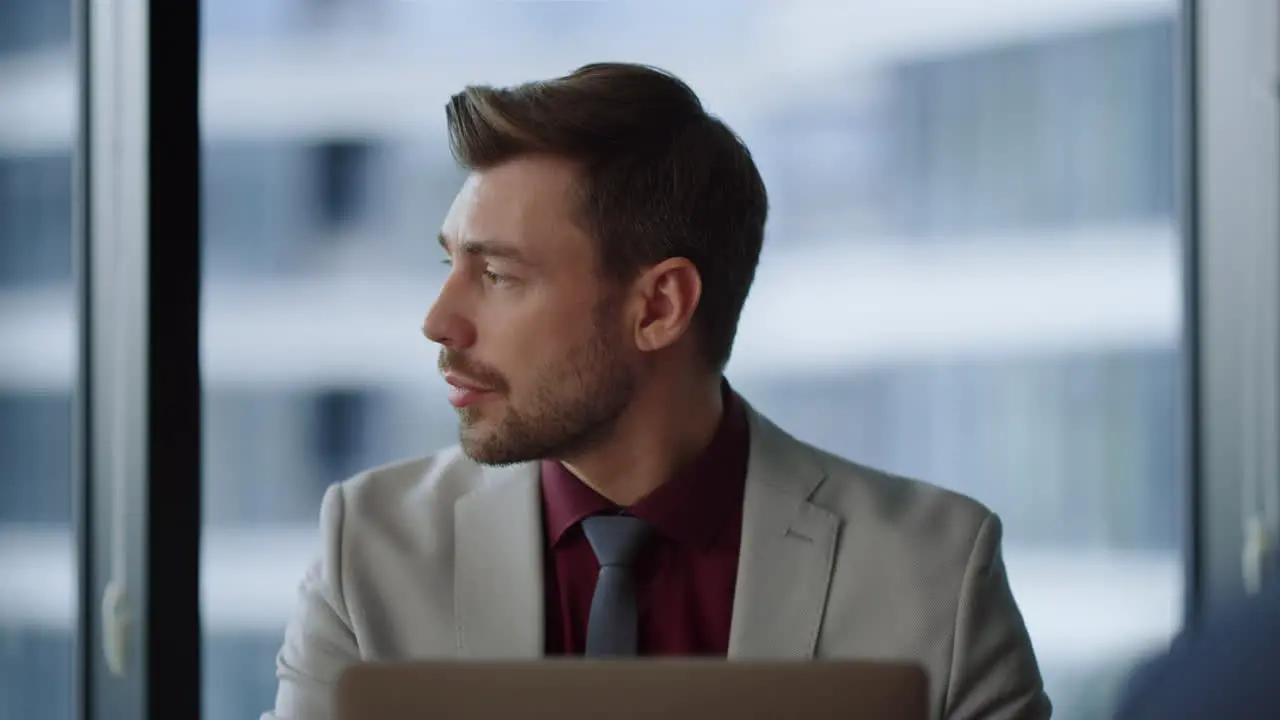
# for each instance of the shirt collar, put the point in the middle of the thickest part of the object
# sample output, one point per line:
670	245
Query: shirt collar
692	507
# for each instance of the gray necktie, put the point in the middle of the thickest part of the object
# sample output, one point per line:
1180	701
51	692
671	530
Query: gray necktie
616	540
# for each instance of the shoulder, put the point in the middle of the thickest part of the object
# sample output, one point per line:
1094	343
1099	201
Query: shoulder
897	535
898	505
852	490
918	533
409	492
886	515
872	504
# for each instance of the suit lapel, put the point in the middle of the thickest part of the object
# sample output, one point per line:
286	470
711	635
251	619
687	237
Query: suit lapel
498	578
787	553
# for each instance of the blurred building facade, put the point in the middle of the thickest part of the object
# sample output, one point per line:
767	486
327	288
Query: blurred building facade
1046	152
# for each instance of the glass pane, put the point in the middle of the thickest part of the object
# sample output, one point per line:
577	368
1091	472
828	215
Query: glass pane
970	277
38	574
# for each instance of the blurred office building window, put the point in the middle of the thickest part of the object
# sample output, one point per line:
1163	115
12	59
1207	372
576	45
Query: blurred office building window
33	25
986	193
37	362
988	197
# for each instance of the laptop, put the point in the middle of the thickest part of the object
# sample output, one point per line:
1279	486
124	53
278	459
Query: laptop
678	689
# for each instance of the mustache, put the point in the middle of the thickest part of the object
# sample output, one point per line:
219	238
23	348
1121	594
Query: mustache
453	361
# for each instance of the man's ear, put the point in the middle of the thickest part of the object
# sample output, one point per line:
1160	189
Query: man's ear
665	298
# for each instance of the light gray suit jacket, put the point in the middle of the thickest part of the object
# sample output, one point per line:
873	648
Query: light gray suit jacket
442	558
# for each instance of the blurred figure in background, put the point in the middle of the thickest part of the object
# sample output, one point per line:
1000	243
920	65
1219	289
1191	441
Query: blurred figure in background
1228	666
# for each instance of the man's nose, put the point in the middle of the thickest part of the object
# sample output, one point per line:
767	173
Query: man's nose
445	322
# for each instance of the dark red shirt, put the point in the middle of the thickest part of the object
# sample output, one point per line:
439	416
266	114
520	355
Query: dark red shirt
686	574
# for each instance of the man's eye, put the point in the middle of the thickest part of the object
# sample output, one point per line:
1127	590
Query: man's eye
495	278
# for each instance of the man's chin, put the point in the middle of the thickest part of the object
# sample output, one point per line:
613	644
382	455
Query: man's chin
489	456
482	446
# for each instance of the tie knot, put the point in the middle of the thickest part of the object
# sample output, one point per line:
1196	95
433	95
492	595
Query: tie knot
616	539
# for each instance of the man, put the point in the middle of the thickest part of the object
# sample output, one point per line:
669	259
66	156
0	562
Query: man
612	495
1222	667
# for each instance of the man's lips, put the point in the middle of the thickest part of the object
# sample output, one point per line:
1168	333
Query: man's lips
463	391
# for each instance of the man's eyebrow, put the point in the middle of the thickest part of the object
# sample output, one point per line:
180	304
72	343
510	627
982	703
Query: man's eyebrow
487	248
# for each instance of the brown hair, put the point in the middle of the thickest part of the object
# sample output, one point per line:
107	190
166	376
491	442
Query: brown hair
662	178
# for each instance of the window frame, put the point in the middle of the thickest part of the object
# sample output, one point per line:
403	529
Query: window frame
1231	291
137	406
137	437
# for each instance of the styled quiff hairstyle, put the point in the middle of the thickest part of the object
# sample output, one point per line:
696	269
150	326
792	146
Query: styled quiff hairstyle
661	177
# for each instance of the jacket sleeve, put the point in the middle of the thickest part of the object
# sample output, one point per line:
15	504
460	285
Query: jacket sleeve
319	642
994	674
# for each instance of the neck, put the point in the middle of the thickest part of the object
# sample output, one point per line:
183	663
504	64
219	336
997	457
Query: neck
666	428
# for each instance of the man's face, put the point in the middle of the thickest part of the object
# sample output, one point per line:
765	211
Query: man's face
532	339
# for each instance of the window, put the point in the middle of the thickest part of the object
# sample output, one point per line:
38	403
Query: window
254	207
343	182
1072	129
33	25
340	433
972	276
35	219
38	575
1025	354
